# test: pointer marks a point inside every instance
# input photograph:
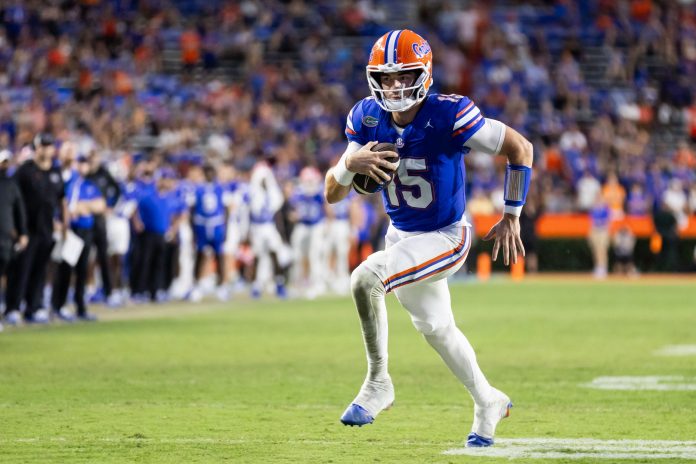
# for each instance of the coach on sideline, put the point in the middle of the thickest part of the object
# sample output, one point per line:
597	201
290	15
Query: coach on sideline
13	221
42	189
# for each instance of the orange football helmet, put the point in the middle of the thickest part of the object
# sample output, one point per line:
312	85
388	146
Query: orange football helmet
395	51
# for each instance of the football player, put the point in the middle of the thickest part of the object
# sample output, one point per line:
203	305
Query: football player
429	238
236	187
209	219
309	234
338	239
265	198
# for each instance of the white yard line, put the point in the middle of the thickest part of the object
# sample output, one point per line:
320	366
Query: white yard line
582	448
650	382
676	350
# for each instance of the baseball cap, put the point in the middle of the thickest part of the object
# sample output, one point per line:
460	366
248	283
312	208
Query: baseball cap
43	139
82	159
5	155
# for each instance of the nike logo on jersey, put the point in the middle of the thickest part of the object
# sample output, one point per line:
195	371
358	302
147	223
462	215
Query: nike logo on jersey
429	125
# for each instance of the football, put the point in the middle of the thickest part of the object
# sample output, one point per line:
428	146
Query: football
364	184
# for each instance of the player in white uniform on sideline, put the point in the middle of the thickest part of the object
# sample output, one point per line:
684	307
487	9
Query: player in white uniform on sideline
308	236
265	200
428	239
118	241
338	238
237	224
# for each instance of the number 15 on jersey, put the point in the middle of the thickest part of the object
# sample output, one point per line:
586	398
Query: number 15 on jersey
409	187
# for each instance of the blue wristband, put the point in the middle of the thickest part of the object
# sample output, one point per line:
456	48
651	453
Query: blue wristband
517	179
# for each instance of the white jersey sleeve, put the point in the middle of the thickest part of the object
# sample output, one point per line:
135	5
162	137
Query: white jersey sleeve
489	138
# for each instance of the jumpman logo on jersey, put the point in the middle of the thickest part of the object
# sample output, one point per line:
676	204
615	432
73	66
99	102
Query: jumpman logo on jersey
429	125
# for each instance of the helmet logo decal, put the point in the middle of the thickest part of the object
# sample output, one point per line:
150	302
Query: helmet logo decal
421	49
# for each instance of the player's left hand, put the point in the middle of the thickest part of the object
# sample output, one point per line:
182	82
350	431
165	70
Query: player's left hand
506	233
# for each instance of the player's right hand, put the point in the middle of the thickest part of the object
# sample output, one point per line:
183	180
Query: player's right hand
372	163
22	243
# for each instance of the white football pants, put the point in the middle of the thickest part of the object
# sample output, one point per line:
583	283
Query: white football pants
415	266
265	239
308	243
338	246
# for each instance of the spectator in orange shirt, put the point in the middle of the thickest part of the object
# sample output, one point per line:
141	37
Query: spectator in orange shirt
190	48
641	9
614	195
685	156
553	160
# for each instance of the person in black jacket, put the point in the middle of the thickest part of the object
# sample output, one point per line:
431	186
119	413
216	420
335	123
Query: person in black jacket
13	222
43	192
667	226
110	191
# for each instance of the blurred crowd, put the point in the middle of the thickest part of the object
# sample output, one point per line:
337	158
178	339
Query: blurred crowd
160	89
602	89
263	78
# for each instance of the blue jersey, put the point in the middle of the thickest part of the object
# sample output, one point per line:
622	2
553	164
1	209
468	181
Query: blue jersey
209	207
77	190
427	192
309	207
177	200
187	190
128	201
341	210
144	188
155	212
369	218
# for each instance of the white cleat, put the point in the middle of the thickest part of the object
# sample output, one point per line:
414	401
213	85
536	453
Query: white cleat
375	396
13	318
196	295
115	300
486	419
64	314
222	293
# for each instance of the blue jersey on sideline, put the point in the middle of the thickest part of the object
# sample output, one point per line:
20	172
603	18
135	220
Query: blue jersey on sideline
155	212
309	207
209	207
78	189
209	221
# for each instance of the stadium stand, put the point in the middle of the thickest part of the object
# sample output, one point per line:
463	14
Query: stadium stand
603	89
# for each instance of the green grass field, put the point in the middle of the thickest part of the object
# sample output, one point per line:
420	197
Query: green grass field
265	382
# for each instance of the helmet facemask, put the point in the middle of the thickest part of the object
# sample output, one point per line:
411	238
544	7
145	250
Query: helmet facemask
408	96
